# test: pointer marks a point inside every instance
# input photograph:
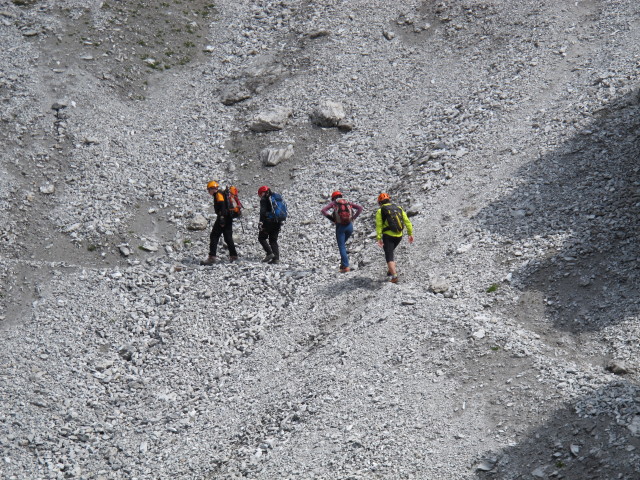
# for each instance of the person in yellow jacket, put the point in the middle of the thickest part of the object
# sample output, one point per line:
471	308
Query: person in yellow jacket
391	221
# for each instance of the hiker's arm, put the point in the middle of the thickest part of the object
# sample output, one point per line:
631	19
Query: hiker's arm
325	211
379	225
358	210
408	224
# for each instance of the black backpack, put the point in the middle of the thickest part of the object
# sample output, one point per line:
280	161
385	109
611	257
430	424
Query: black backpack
393	216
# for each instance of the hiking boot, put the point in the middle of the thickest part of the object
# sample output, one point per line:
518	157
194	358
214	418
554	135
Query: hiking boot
394	279
344	269
233	259
268	258
274	261
209	261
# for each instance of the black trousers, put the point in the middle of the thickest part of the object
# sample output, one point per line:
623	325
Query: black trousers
389	244
268	238
227	232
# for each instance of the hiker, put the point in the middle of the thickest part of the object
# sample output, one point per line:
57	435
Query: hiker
273	212
342	216
390	223
222	226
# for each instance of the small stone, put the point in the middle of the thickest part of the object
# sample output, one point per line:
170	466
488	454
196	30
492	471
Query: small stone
439	285
58	106
319	34
634	426
487	464
47	188
480	334
150	246
464	248
539	473
388	34
126	352
617	367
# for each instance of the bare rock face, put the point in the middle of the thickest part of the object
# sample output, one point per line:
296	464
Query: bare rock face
272	120
327	114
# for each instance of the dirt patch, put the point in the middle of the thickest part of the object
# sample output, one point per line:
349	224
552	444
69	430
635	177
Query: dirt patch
124	43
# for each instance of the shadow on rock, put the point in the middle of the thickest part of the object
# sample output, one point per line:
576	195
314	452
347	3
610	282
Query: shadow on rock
575	215
578	441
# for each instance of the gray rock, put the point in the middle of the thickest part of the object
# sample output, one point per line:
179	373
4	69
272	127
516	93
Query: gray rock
271	157
272	120
198	222
439	285
327	114
235	93
618	367
47	188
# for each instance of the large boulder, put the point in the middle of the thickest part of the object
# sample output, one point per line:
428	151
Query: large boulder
270	157
327	114
198	222
274	119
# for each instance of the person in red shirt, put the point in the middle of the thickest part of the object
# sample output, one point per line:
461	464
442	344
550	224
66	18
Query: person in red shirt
343	214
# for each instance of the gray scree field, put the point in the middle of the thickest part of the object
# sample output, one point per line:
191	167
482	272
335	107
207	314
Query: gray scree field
508	130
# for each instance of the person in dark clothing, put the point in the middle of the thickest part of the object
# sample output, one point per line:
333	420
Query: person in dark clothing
223	226
268	230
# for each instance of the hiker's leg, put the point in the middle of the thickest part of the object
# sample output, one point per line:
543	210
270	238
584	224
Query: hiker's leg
274	231
216	231
263	235
389	244
343	232
391	267
228	238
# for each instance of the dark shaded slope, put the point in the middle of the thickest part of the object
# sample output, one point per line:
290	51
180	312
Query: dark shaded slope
588	191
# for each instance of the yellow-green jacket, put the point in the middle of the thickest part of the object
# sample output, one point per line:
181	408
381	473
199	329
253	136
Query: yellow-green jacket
381	226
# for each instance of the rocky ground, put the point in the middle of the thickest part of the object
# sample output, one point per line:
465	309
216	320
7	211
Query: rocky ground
508	130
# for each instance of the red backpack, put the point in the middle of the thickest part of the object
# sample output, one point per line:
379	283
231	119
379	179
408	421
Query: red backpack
343	213
234	206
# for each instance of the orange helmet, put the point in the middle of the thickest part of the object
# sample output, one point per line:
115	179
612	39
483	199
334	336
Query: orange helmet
233	190
263	189
335	195
383	196
212	184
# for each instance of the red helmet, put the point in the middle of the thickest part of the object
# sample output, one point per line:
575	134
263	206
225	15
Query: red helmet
382	197
263	189
335	195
